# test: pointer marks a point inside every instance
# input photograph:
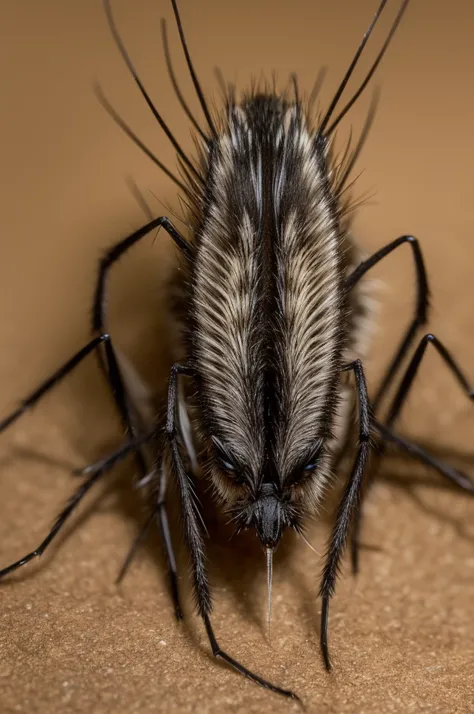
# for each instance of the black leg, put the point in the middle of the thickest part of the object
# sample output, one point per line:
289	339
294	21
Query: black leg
112	370
122	452
419	319
410	374
357	527
94	471
58	524
218	652
394	410
167	542
111	367
421	307
56	377
135	545
116	252
159	514
347	508
458	478
193	531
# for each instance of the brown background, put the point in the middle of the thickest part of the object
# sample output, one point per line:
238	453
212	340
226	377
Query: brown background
401	635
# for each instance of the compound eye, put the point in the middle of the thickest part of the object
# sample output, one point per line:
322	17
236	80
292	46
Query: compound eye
226	462
222	456
313	458
226	465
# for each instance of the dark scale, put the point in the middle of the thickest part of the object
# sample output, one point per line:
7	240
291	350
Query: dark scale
273	319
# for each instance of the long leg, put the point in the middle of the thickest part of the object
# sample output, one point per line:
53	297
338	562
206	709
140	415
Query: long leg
116	252
158	512
98	310
93	472
142	533
458	478
419	319
421	307
111	360
192	522
121	453
348	506
159	515
412	369
51	381
116	379
393	413
113	370
163	525
58	524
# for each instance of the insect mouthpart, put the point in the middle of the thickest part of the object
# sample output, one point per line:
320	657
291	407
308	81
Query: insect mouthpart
269	513
268	517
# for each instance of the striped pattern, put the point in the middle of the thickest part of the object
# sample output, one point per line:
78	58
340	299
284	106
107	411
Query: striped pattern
268	321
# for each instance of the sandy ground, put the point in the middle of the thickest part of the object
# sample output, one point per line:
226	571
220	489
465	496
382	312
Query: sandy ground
401	634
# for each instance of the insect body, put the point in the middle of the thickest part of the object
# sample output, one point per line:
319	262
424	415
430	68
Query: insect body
275	318
268	329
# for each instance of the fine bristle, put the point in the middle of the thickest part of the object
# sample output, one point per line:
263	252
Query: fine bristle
267	313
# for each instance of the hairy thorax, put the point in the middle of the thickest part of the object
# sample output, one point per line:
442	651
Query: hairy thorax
269	324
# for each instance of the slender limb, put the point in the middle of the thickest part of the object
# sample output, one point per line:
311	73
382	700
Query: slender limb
419	319
106	464
412	369
111	257
121	453
168	544
135	545
111	366
219	653
116	252
394	410
192	522
112	369
159	515
58	524
421	306
458	478
51	381
347	507
94	471
191	516
357	528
